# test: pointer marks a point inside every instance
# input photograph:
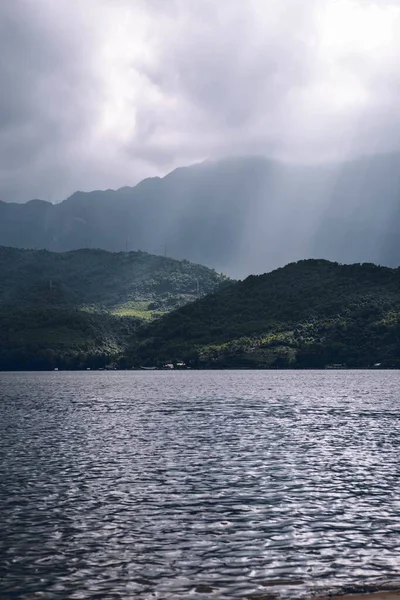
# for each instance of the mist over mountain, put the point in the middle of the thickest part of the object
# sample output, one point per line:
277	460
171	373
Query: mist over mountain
240	215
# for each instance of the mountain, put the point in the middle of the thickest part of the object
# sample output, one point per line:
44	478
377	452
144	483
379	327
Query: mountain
239	215
81	308
313	313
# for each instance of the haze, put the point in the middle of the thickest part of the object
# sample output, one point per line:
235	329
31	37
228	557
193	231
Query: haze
103	93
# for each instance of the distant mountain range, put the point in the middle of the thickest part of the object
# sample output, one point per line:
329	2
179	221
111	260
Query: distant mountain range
239	215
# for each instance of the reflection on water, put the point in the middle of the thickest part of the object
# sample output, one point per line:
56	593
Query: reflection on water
198	484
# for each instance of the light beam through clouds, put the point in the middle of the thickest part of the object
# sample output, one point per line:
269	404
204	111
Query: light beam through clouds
102	93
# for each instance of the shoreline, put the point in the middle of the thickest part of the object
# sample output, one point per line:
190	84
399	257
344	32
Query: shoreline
387	594
197	369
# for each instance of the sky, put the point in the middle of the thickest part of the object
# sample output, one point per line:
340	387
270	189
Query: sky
99	94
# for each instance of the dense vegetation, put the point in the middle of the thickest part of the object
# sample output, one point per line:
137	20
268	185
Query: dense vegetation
309	314
80	309
93	309
119	282
38	339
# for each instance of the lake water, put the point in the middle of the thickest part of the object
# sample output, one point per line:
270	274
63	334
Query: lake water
131	485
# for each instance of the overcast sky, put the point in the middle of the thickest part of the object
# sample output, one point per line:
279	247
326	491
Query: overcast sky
101	93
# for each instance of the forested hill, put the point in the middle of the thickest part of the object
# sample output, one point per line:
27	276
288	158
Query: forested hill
127	283
312	313
80	309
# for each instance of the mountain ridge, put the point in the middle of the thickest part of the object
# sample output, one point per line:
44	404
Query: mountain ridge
239	215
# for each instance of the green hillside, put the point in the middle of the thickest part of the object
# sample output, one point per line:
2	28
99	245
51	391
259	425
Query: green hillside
312	313
81	308
132	283
38	339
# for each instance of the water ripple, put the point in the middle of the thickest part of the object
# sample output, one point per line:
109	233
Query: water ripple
198	484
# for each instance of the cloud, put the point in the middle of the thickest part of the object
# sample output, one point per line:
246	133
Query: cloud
104	92
47	95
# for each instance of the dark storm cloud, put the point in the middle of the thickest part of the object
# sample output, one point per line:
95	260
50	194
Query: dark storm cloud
229	71
103	92
46	95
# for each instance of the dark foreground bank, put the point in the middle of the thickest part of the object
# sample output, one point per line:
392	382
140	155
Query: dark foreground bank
377	595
